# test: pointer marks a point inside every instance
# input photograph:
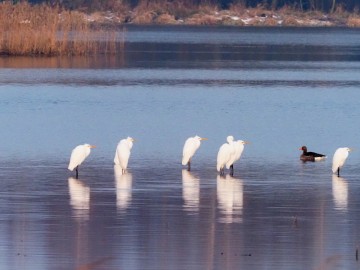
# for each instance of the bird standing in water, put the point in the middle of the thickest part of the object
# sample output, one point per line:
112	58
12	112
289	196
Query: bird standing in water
225	153
191	145
239	148
310	156
123	151
339	159
78	155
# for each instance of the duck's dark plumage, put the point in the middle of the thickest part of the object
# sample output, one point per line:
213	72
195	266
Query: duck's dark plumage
310	156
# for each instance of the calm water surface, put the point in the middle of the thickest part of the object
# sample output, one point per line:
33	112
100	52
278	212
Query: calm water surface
278	88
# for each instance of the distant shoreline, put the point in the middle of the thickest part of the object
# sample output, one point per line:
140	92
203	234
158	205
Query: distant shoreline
47	30
245	17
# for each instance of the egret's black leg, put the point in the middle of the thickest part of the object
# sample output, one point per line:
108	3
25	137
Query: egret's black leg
338	172
189	166
77	172
232	170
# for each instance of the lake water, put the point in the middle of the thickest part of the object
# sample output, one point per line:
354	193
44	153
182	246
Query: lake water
279	88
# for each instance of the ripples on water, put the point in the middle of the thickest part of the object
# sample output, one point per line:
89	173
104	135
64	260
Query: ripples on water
278	89
327	74
164	217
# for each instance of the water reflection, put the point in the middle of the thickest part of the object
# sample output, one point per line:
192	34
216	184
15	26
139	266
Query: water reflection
79	199
340	192
190	191
230	199
123	184
94	264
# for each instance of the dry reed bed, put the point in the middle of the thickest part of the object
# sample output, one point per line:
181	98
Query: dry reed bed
45	30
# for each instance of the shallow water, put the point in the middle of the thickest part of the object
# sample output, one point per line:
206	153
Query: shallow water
278	88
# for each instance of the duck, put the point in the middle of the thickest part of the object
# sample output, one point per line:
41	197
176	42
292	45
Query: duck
310	156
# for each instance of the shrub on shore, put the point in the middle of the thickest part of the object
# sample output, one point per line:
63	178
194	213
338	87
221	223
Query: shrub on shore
353	21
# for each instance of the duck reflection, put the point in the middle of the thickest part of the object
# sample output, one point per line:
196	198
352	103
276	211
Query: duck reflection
190	191
340	192
123	184
79	198
230	198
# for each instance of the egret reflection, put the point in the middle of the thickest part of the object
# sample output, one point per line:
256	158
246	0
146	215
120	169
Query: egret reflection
190	191
79	198
123	184
340	192
230	198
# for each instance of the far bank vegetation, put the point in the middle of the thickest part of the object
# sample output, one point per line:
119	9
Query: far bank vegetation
81	27
45	30
238	13
219	12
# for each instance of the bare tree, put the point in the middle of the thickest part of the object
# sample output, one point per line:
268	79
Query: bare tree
333	6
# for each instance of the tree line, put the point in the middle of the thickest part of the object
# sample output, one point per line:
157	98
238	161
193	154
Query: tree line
326	6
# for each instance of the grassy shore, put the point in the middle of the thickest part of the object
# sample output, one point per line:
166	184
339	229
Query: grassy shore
179	13
46	30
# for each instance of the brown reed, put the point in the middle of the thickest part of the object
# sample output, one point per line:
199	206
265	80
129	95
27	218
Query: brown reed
353	21
46	30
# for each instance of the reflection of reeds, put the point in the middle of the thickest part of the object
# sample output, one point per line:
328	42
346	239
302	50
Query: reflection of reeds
45	30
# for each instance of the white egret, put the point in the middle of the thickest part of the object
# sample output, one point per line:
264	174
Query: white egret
339	159
310	156
191	145
78	155
225	153
123	151
239	148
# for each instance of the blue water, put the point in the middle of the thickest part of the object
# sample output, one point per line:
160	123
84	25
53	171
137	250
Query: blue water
278	88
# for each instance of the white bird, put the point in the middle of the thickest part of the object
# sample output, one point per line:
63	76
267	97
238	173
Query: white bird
239	148
123	151
191	145
78	155
225	153
339	159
